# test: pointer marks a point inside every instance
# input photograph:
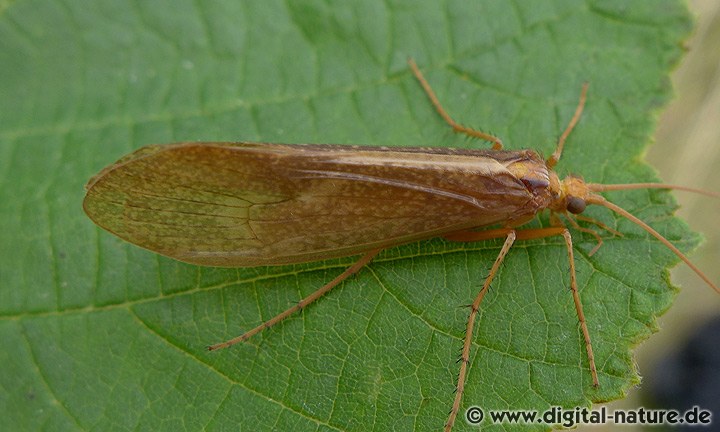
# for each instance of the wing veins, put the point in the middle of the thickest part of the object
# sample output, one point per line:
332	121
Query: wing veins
391	182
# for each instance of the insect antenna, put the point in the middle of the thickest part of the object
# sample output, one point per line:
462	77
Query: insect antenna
597	199
597	187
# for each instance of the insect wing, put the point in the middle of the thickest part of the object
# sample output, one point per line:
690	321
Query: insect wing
247	204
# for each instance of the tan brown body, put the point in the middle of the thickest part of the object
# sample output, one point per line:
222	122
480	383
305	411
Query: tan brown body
248	204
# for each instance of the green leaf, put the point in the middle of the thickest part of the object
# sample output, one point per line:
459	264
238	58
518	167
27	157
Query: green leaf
99	334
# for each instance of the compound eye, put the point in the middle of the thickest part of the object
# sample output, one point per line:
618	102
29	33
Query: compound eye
575	205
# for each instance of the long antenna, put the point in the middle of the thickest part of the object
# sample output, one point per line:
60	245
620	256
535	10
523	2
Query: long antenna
597	199
597	187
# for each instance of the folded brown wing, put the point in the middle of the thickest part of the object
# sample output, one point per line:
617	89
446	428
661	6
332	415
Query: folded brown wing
247	204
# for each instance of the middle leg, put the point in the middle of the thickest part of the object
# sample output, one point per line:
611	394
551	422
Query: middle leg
511	236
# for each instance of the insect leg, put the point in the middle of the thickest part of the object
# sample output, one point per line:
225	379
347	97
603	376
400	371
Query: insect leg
511	236
573	222
526	234
555	157
497	143
302	303
555	221
598	224
465	356
578	307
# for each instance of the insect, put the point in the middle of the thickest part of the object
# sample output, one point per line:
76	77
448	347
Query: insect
251	204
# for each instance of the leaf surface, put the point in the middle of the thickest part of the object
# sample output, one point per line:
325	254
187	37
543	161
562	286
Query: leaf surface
101	335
